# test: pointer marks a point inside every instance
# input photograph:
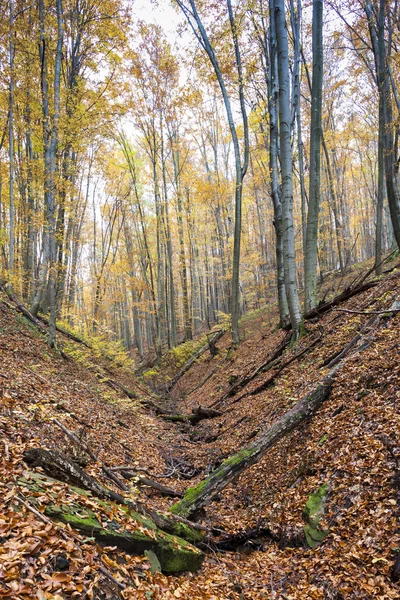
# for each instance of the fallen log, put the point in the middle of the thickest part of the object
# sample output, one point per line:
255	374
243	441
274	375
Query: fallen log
266	384
69	334
180	418
198	497
336	359
215	436
205	413
211	342
23	309
340	298
198	414
58	466
159	410
164	490
174	553
117	385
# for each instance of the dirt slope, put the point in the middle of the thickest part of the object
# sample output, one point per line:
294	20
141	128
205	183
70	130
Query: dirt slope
352	445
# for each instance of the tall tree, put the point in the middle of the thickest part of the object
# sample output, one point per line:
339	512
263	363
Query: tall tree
241	164
50	138
310	256
289	255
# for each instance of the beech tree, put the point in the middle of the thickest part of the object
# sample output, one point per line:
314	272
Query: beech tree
310	252
289	256
50	137
173	199
241	164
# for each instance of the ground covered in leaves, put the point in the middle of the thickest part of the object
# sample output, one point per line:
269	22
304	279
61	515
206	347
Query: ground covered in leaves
351	445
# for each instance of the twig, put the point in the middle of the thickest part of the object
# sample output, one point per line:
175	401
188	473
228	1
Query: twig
75	439
109	576
36	374
370	312
41	516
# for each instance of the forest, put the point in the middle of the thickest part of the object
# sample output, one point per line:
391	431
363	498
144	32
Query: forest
199	299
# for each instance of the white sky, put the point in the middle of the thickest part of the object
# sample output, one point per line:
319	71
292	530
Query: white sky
162	14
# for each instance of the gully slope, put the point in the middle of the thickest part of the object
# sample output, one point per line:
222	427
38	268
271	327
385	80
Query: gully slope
350	447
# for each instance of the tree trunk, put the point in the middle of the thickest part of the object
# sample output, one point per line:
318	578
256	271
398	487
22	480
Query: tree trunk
199	496
289	256
273	97
310	257
11	142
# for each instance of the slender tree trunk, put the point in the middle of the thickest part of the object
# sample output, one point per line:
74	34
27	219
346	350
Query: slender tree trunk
50	135
310	257
167	227
289	256
273	99
241	168
11	143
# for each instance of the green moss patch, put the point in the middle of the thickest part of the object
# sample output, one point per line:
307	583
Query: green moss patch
135	534
312	514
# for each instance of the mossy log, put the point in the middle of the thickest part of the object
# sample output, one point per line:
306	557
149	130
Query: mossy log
198	497
58	466
133	532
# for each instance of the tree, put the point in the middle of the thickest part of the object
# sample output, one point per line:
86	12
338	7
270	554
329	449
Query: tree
289	256
310	256
241	165
50	137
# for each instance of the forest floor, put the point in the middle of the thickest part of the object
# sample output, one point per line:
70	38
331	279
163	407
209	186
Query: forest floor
351	444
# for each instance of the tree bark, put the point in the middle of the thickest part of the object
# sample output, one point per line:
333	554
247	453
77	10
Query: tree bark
310	257
289	256
198	497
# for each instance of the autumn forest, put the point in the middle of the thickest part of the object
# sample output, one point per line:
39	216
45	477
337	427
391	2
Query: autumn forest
199	299
151	185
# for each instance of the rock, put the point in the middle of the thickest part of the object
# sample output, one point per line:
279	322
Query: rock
60	562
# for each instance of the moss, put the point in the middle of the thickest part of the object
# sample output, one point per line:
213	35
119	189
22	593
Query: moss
193	536
87	523
314	536
185	506
312	514
190	496
175	554
235	460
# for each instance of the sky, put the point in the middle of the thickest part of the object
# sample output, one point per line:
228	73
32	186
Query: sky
161	13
